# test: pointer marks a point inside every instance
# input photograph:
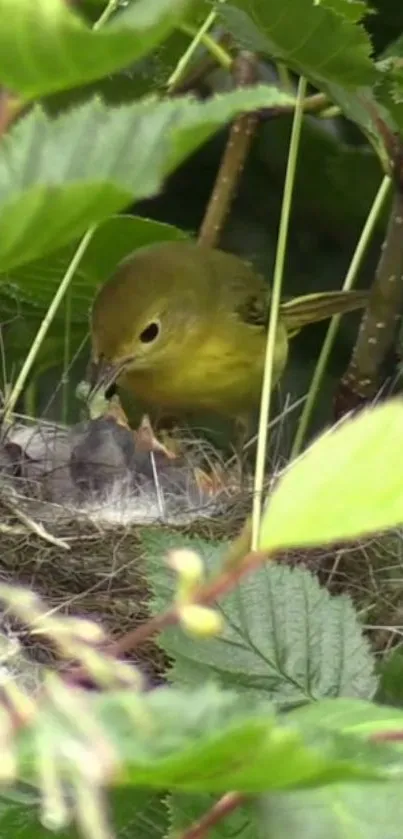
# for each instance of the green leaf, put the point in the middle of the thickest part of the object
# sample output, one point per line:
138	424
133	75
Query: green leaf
346	484
352	10
318	42
285	637
341	811
59	177
360	106
389	95
369	107
349	716
45	46
36	283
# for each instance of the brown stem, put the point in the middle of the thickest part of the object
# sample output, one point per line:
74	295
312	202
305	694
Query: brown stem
226	805
387	736
377	333
245	72
225	581
207	594
10	107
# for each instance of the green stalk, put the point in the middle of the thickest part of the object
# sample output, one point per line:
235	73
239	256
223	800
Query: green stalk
47	320
348	284
216	50
66	357
274	312
109	10
200	36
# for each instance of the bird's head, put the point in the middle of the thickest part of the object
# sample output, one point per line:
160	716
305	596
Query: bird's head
146	314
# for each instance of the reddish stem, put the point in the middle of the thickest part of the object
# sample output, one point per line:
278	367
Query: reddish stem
226	805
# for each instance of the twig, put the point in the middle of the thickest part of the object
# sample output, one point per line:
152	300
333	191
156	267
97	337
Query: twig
312	105
226	805
225	581
200	36
13	529
216	54
236	566
107	13
245	72
34	526
377	333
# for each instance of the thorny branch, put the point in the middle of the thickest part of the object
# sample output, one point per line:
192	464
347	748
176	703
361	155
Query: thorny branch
377	334
245	72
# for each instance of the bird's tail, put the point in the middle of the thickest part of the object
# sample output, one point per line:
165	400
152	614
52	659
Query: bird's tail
300	311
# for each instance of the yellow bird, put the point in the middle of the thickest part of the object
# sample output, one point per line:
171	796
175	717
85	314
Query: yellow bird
183	327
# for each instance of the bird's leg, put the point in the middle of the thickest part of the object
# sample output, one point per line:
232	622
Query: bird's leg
242	435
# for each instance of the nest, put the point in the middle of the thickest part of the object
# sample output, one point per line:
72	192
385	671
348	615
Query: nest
74	502
370	571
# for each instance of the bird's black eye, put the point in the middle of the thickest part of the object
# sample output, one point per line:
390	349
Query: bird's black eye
150	333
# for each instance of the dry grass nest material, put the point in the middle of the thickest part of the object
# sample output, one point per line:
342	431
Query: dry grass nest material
73	503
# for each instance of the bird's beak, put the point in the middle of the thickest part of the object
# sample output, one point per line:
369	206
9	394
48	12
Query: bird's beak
102	375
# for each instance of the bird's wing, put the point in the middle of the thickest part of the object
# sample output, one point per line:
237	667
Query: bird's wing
311	308
253	309
298	312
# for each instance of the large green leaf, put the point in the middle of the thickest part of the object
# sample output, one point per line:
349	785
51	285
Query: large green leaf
348	483
351	716
206	740
359	106
341	811
35	284
58	177
45	46
353	10
317	41
285	638
369	107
